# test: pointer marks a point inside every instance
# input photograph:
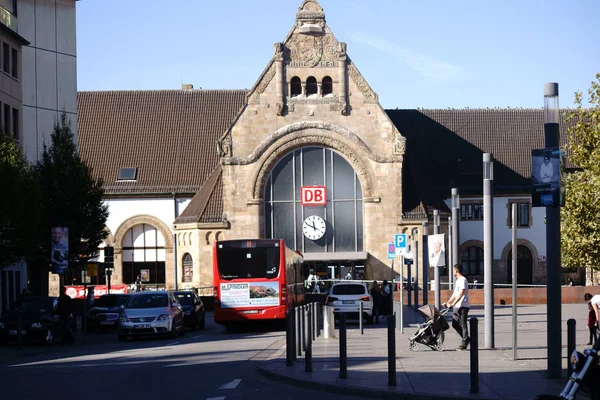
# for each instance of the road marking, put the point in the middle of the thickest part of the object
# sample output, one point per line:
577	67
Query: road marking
196	337
216	398
231	385
171	344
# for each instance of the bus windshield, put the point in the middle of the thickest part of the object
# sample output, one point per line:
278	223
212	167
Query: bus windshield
248	263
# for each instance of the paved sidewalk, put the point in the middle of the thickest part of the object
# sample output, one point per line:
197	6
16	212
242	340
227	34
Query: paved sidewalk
428	374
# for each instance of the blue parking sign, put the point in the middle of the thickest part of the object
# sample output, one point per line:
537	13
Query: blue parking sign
400	241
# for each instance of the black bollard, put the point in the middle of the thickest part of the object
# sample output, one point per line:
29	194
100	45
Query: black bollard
19	326
298	328
391	328
360	317
289	344
313	313
308	348
571	323
293	331
474	355
318	318
302	324
343	350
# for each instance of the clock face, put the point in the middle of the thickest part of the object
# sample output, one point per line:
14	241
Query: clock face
314	227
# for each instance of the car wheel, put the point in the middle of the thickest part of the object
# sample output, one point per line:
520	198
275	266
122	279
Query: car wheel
122	338
49	339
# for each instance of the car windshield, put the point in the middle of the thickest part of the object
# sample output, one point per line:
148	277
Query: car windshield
185	299
110	301
348	289
148	301
33	305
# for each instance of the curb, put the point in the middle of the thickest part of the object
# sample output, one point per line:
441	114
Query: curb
353	391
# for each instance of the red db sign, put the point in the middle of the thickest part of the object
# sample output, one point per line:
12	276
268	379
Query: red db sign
313	195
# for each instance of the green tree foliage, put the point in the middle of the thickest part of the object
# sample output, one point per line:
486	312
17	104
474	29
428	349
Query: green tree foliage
72	197
580	225
20	208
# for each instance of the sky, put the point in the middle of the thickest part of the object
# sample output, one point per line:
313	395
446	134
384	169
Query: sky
414	54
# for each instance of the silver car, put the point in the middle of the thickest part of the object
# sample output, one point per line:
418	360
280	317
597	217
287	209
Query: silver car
151	313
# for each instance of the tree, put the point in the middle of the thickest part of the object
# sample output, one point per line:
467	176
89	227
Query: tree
72	198
20	208
580	237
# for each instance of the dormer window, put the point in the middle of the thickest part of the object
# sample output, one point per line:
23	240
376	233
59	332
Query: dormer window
311	86
327	86
295	87
127	174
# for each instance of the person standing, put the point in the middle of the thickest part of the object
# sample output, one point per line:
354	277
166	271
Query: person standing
376	295
594	305
591	324
460	301
138	284
65	311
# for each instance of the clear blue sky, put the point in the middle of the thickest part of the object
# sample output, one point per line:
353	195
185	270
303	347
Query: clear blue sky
425	54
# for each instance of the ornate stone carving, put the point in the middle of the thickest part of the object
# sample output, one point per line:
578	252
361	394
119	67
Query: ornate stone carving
399	142
279	50
305	50
262	85
313	100
225	145
310	17
280	109
368	93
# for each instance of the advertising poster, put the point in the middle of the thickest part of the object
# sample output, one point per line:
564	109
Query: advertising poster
145	275
437	250
244	294
59	256
547	176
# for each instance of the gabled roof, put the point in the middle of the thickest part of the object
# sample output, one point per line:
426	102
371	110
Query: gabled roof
207	204
170	136
447	146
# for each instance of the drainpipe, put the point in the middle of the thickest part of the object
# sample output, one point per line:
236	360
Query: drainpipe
175	238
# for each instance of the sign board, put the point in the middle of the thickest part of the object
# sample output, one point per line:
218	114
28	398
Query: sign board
313	195
400	241
248	294
547	176
92	269
391	251
408	261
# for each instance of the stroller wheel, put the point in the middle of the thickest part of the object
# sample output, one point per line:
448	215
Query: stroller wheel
439	344
413	346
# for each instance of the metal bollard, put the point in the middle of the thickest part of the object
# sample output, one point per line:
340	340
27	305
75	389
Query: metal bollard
308	348
289	345
474	355
19	326
293	332
318	318
343	349
571	324
313	313
391	328
302	325
328	323
298	328
360	317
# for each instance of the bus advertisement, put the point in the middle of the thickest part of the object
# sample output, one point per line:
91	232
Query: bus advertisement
255	279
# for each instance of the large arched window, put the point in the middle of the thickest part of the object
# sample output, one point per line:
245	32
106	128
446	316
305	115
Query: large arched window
295	87
472	261
327	86
311	86
524	265
144	255
188	268
342	214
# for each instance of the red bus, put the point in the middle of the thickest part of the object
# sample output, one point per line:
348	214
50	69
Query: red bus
255	279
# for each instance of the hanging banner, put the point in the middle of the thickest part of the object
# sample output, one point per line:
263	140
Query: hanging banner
547	177
437	250
80	291
59	256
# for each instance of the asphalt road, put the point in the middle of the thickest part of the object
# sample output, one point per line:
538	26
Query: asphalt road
203	365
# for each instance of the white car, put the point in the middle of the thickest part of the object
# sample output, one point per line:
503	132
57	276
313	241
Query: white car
346	297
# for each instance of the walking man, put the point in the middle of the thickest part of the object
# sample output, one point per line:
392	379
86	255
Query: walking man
460	301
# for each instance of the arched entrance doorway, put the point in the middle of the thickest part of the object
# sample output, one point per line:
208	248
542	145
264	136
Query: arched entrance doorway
524	266
144	255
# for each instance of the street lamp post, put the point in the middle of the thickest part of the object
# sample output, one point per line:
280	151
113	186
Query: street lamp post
488	248
455	227
553	293
436	269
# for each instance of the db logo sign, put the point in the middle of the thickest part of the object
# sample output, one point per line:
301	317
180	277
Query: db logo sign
313	195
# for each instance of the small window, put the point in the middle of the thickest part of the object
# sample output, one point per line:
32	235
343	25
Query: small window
311	86
327	86
295	87
6	57
471	210
523	214
15	115
15	65
127	174
188	268
7	127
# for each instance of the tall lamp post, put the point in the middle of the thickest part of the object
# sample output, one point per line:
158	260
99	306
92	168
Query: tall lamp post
553	293
436	269
455	228
488	248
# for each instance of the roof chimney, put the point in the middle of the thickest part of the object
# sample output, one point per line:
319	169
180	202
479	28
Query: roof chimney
187	86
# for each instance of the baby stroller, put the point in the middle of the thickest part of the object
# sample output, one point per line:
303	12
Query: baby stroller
431	333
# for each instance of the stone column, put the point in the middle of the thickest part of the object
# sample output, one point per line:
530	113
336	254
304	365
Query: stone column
279	78
342	77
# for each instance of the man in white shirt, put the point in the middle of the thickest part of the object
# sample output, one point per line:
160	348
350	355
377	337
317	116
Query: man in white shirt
460	301
546	170
595	302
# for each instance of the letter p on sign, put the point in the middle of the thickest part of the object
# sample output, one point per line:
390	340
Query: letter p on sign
313	195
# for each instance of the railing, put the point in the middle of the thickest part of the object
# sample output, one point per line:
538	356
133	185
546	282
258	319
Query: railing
8	19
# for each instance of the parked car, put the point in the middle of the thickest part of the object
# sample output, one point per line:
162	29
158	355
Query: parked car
39	321
346	297
150	313
193	309
105	312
